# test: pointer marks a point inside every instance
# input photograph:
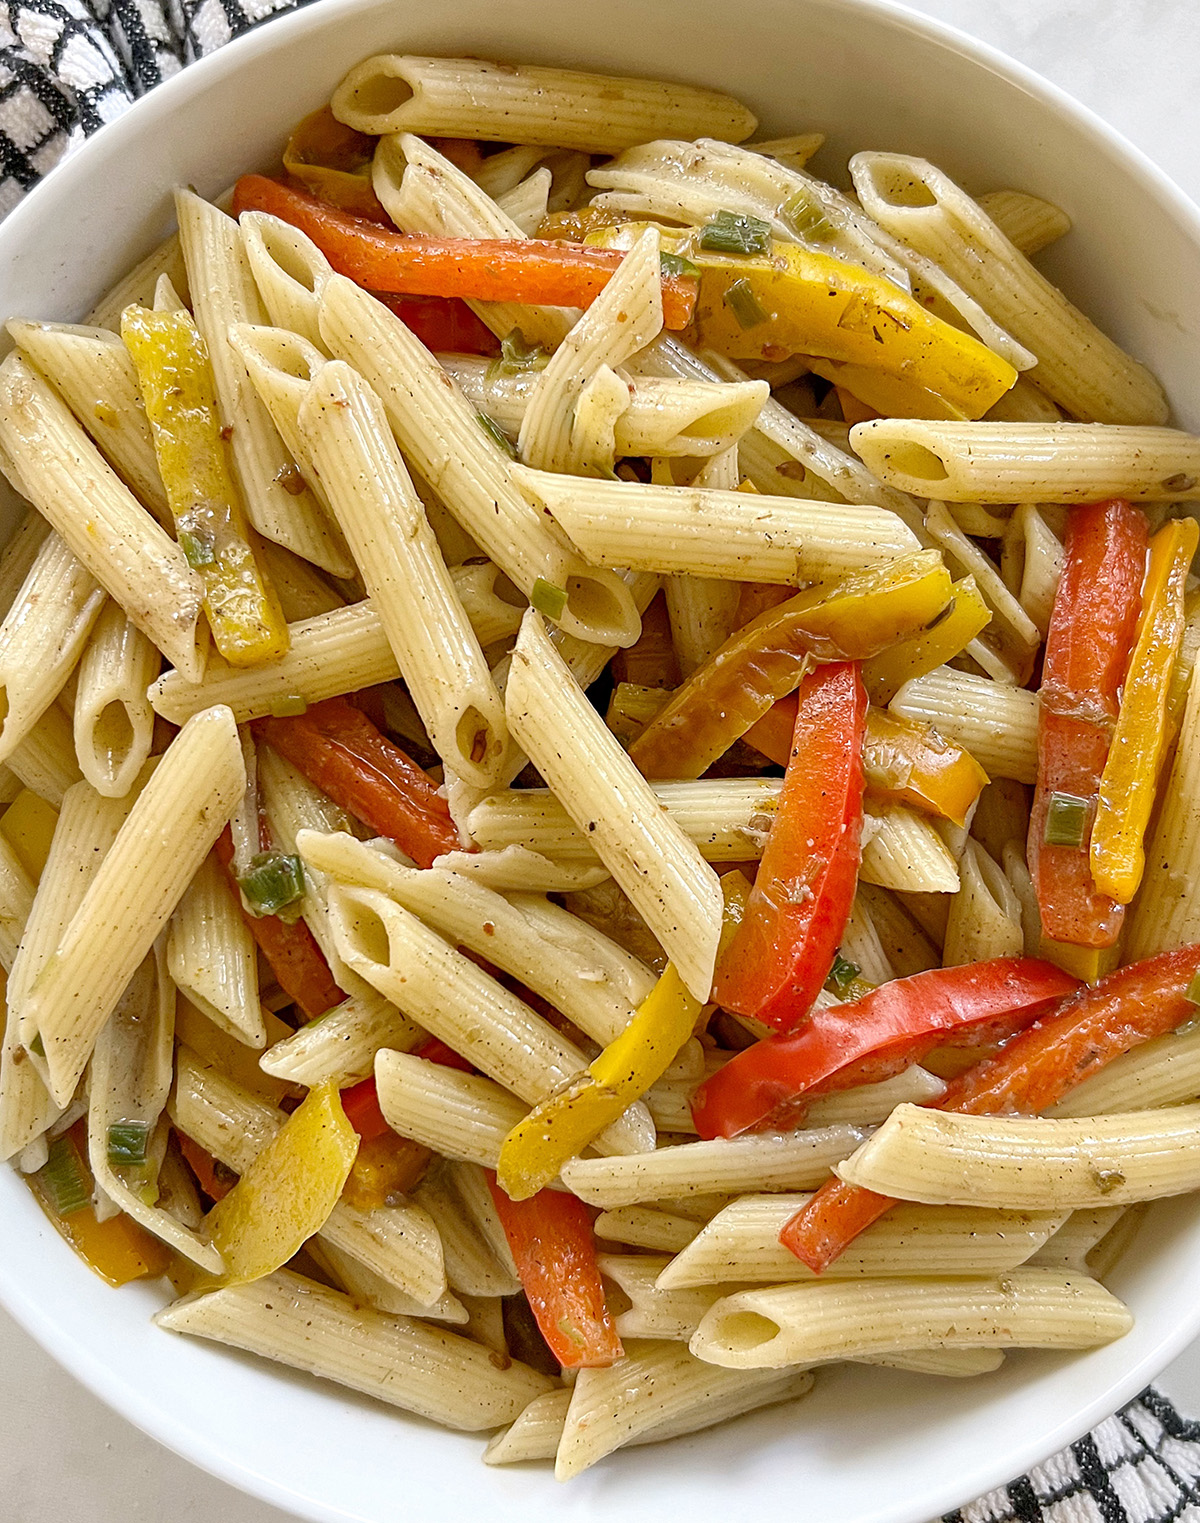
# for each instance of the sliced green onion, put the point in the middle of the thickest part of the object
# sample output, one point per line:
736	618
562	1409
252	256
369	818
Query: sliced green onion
802	216
274	881
676	264
841	975
517	354
127	1142
63	1179
199	549
1067	820
496	434
730	233
548	599
742	302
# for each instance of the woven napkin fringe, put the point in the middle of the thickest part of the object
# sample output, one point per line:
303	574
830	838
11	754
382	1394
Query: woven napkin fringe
67	68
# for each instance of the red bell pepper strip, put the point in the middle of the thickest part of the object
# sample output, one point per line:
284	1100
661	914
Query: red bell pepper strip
442	323
210	1176
554	1249
363	1112
1028	1075
798	907
337	747
771	1083
527	270
1092	631
295	958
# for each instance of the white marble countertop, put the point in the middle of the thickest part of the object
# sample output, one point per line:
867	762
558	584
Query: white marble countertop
69	1458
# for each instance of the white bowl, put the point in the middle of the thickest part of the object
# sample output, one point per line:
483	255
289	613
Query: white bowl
869	1446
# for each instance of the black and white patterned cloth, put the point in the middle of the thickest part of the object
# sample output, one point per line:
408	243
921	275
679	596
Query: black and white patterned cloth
66	68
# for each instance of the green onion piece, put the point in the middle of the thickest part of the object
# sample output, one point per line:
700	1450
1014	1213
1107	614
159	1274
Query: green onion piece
199	549
274	881
63	1179
37	1046
1192	992
742	302
1067	820
127	1142
288	706
676	264
841	975
548	599
496	434
517	354
730	233
802	216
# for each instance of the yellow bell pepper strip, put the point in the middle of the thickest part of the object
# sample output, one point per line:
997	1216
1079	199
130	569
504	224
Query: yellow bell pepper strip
1130	779
28	827
176	382
857	617
333	162
118	1250
904	761
793	300
563	1125
946	637
287	1193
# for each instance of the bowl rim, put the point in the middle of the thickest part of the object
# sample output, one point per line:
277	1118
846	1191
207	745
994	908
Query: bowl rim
36	1318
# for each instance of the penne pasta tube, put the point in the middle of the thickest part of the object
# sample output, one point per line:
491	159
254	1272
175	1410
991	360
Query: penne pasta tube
289	271
528	203
492	604
907	947
459	1115
1032	563
985	914
762	1161
404	1362
1102	1259
742	1243
302	591
1025	1308
364	1285
18	556
113	720
996	723
1084	371
583	974
665	416
225	294
1162	1071
644	1227
903	851
672	1315
651	858
1021	1162
42	637
139	285
45	761
93	372
212	957
398	1243
16	901
514	869
341	1044
660	1391
1030	462
1028	222
471	1268
861	945
706	532
442	438
55	465
467	97
167	834
1070	1246
445	992
352	451
534	1435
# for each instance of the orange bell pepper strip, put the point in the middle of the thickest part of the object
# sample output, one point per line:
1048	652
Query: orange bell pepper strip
904	760
554	1249
295	958
1092	631
1029	1074
1139	744
337	747
872	1038
526	270
781	953
333	161
846	620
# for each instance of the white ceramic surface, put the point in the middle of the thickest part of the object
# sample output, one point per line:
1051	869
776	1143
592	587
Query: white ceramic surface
868	1446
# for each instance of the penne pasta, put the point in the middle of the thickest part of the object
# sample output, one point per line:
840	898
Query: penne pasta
289	271
785	1325
534	1434
467	97
113	718
45	761
471	1267
996	723
212	957
903	851
658	867
139	285
404	1362
1160	1072
1030	462
458	1115
985	914
645	1227
1028	222
341	1044
1070	1247
1024	1163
